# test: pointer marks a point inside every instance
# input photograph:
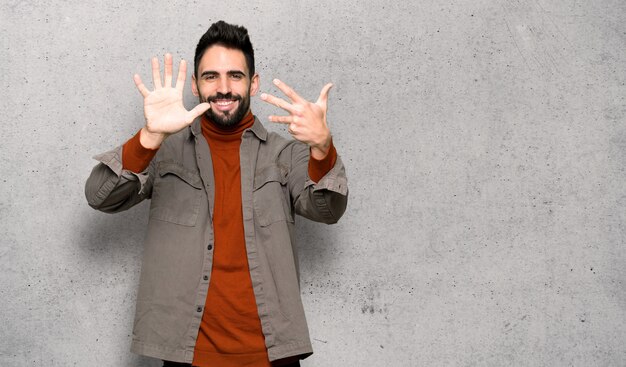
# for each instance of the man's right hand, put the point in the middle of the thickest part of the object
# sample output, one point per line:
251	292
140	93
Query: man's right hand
163	107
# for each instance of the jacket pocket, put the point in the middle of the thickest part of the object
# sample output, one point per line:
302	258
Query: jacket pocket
271	196
176	194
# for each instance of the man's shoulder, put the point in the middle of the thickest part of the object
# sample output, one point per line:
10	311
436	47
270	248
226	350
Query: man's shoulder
273	141
177	140
176	146
277	142
278	150
277	145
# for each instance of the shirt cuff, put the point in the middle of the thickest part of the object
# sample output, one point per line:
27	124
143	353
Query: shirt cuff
318	168
135	157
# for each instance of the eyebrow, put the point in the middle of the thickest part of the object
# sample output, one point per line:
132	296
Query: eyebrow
229	72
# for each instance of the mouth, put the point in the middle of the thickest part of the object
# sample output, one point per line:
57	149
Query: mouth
224	105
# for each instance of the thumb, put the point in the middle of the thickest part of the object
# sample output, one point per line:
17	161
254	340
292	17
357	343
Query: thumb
323	98
199	110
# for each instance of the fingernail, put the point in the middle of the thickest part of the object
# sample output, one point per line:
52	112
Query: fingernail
263	96
276	81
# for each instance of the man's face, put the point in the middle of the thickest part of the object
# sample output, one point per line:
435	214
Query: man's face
223	81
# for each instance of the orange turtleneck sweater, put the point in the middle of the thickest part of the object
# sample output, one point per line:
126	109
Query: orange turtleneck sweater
230	332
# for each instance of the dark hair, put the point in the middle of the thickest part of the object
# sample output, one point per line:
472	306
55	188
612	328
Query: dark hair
229	36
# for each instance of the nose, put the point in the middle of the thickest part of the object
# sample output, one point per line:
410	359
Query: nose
224	86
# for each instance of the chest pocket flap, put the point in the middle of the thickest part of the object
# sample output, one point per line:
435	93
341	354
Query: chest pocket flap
186	175
271	196
269	174
176	195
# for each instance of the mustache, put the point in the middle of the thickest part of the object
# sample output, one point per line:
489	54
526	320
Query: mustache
218	95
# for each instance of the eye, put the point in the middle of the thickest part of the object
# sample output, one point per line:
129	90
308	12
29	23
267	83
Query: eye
209	77
237	76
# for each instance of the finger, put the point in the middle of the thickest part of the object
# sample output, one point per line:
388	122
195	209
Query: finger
182	75
291	129
282	119
142	88
323	98
156	73
278	102
168	70
289	92
199	110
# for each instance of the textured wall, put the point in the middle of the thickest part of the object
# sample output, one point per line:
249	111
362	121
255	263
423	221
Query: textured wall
485	143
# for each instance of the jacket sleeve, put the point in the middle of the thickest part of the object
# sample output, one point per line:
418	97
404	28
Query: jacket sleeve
112	189
324	201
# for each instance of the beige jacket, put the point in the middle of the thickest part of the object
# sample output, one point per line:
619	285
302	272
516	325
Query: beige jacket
178	248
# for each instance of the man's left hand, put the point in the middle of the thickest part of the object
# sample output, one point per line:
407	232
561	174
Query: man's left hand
306	120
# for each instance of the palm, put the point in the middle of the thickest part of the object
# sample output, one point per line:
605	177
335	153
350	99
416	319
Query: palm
163	107
165	112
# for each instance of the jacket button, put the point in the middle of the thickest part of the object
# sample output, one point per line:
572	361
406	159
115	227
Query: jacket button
210	247
206	277
199	309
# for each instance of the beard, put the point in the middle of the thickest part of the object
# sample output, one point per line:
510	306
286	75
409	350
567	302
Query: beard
227	119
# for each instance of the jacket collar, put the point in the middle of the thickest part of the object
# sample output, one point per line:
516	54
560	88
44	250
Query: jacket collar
257	128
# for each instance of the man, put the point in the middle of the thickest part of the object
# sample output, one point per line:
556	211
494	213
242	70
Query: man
219	280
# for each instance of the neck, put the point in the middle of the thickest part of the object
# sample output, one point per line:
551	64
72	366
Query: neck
234	132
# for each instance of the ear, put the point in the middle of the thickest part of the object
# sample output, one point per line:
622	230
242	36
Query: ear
194	86
254	84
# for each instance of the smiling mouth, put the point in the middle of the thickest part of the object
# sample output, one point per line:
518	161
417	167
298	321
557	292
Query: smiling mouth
224	104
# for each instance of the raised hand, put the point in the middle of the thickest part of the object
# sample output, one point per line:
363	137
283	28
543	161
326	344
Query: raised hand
306	120
163	107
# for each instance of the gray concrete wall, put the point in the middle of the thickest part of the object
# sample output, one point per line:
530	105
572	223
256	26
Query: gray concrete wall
485	143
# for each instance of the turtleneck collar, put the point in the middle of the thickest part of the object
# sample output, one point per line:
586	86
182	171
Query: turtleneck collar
218	134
